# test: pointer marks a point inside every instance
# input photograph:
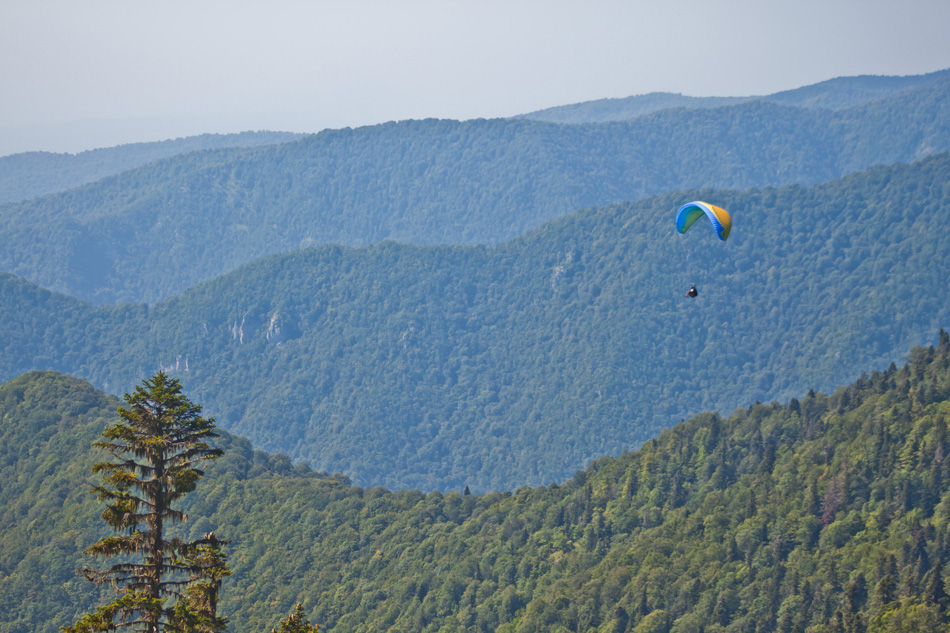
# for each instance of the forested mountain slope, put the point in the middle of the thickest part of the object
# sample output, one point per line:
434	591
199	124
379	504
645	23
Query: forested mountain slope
48	422
440	367
149	233
30	174
833	94
826	514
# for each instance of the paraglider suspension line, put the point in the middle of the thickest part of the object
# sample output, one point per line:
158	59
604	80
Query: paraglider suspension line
688	272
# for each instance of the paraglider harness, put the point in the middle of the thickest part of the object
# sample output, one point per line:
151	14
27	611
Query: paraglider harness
692	211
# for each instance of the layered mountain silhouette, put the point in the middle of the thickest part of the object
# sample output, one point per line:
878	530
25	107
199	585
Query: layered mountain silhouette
149	233
441	367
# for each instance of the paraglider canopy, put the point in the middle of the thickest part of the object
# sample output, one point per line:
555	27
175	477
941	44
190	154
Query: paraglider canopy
692	211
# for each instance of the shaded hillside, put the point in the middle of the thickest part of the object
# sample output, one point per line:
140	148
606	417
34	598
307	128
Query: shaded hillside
30	174
149	233
440	367
827	514
833	94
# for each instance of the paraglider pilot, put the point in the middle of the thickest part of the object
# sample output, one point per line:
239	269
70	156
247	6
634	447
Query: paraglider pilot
692	211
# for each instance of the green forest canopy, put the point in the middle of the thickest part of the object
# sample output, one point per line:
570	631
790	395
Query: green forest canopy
830	513
149	233
30	174
441	367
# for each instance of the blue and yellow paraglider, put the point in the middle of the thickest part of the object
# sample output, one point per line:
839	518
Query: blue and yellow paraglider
692	211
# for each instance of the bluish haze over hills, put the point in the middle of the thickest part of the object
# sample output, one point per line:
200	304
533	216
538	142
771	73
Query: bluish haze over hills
24	176
149	233
160	70
31	174
440	367
834	94
451	302
445	366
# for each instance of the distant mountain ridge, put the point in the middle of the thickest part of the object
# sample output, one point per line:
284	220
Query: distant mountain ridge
30	174
833	94
149	233
27	175
441	367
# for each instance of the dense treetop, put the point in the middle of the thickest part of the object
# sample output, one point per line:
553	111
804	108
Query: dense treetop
830	513
149	233
441	367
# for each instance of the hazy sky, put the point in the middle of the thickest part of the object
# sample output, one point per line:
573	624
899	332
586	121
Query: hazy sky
78	74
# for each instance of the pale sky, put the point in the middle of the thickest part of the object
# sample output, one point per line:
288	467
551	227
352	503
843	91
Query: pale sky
80	74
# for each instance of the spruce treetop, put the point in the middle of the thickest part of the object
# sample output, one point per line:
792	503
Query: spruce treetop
156	446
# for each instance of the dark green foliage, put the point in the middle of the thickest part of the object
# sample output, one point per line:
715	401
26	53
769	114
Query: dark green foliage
197	611
48	423
296	622
30	174
492	368
149	233
47	516
849	529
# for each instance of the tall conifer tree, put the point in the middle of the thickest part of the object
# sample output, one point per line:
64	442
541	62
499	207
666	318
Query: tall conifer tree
163	583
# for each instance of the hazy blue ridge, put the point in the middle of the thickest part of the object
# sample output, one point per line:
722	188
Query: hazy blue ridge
833	94
149	233
30	174
440	367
